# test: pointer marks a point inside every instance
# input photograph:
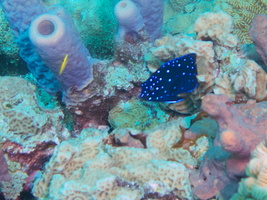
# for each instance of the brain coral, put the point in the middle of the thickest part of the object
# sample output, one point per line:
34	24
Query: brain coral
21	115
243	12
89	167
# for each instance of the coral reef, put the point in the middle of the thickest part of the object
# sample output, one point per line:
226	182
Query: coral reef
241	128
4	175
136	114
95	22
29	132
8	47
54	36
129	18
243	12
254	186
13	188
19	20
123	147
209	26
222	67
92	166
112	83
152	13
180	16
139	20
179	5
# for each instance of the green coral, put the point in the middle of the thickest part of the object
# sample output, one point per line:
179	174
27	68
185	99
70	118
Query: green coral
137	114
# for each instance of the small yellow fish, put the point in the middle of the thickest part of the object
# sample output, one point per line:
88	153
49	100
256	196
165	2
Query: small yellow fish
63	64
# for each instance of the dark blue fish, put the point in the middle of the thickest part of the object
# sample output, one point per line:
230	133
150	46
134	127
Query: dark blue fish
175	77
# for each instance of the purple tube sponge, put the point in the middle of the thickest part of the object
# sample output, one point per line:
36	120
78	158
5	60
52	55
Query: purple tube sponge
136	14
152	12
19	15
129	18
59	45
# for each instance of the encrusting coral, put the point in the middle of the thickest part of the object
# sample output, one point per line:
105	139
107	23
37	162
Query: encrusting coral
93	166
136	114
28	134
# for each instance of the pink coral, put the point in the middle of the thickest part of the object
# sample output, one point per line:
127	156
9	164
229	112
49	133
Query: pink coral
241	128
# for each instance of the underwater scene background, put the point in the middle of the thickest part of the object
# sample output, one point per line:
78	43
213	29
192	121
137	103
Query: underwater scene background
133	99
